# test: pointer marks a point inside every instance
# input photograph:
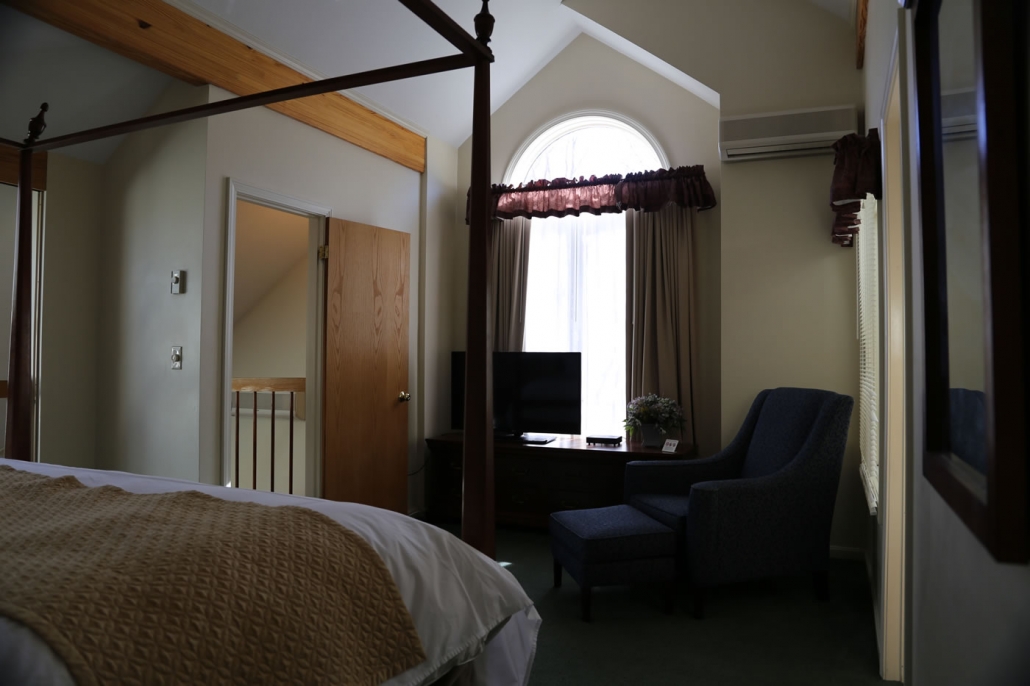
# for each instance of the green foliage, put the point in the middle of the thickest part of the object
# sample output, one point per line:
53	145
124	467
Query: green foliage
653	409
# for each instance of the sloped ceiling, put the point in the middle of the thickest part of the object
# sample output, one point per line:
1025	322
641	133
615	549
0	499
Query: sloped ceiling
324	38
269	243
85	85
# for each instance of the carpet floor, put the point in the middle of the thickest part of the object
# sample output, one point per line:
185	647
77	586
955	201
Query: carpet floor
772	632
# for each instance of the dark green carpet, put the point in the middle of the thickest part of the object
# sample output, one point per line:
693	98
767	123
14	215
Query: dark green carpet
773	632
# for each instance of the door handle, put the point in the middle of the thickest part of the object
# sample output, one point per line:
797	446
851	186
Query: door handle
404	397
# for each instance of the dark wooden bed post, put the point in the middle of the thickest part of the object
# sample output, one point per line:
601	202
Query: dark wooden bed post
20	395
477	521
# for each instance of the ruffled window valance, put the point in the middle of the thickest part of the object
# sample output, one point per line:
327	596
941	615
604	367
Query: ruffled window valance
856	172
645	191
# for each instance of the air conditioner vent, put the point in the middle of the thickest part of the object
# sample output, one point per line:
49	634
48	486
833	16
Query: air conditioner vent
785	134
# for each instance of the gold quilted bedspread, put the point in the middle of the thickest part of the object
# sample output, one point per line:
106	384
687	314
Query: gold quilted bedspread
184	588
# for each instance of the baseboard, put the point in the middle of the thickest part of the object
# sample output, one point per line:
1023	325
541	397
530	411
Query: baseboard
843	552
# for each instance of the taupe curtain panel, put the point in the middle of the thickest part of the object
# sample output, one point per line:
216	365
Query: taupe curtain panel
510	275
661	331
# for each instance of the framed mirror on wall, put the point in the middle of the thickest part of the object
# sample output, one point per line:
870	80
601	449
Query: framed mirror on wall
971	77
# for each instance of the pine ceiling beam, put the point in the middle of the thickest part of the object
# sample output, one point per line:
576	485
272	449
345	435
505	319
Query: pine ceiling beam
167	39
861	20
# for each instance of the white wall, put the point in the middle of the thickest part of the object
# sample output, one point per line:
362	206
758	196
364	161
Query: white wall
269	151
590	75
68	351
153	222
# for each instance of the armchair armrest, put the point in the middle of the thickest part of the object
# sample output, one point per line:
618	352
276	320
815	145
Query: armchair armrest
677	476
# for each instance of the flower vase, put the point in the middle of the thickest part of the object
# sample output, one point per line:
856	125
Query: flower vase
652	436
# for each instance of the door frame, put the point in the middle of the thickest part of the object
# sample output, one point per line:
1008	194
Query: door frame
891	510
318	216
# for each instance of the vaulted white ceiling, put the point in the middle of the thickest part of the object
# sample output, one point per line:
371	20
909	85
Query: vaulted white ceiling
323	38
89	86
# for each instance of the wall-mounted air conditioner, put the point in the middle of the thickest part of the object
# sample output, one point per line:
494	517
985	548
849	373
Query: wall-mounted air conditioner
785	134
958	114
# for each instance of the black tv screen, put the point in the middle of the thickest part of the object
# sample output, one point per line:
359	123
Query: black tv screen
533	392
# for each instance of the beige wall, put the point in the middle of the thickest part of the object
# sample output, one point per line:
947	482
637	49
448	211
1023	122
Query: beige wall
443	266
153	222
582	77
266	150
271	339
68	352
788	306
765	56
760	56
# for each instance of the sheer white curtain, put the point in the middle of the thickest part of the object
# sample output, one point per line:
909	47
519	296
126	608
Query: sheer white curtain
576	293
576	301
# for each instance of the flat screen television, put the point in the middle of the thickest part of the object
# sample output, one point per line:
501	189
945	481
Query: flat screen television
533	392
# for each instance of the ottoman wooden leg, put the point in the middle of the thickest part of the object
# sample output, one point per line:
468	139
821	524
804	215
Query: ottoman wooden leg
557	574
584	601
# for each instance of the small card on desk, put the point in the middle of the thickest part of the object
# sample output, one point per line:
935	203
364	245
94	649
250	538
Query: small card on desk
670	445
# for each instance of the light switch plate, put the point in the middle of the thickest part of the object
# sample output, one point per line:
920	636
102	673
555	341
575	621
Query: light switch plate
176	357
178	281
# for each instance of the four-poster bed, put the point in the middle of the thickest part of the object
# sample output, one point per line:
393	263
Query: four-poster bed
474	621
478	524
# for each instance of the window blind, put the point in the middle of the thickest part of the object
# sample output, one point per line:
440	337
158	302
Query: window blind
868	271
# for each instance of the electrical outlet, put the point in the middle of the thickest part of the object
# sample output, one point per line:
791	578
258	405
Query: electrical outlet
176	357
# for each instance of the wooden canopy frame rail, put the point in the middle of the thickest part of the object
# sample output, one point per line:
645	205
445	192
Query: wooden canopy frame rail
478	487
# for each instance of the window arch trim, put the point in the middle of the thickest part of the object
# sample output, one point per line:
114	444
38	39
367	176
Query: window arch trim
554	129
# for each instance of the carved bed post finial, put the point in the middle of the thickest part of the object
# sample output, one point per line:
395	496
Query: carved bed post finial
484	24
37	125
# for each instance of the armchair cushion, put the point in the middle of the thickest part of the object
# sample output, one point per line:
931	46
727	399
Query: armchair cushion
670	510
784	425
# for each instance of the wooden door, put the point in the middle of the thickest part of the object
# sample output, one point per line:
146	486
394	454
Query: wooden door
366	366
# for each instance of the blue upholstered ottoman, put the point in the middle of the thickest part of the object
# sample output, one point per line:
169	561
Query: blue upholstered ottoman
612	546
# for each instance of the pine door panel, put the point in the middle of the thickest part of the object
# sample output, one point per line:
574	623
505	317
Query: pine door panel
366	366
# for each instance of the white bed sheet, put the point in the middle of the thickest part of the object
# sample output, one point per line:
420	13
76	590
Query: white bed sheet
457	597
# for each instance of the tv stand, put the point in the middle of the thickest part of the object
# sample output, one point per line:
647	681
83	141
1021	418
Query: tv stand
525	439
533	480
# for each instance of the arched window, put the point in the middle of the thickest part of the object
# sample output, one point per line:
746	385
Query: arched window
576	292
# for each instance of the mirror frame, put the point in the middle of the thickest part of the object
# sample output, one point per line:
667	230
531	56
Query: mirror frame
1002	522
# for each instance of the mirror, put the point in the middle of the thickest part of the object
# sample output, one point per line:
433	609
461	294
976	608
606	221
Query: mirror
963	244
970	65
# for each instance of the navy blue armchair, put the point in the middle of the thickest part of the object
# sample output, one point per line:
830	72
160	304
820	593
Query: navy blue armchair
763	506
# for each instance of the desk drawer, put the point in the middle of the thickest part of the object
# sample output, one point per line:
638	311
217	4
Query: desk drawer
584	476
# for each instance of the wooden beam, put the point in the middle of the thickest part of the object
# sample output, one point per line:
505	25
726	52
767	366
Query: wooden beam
9	166
861	20
165	38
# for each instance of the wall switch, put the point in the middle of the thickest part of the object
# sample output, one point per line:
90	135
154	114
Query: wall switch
176	357
178	282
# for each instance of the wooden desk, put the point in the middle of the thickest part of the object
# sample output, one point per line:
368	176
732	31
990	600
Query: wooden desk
532	481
